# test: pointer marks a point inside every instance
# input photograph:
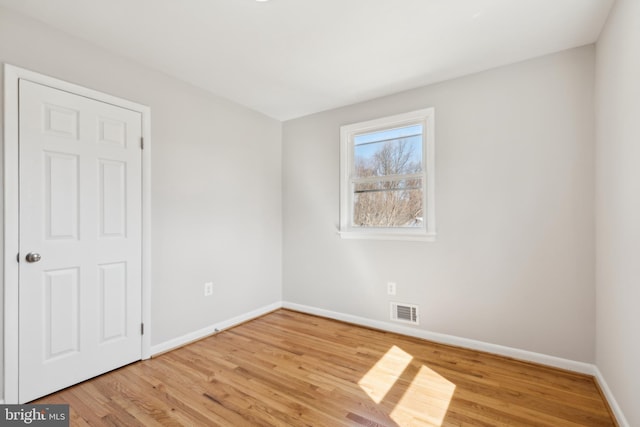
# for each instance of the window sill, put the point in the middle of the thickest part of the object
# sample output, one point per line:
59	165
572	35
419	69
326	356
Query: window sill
387	235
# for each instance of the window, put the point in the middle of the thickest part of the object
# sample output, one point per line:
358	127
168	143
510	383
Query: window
387	178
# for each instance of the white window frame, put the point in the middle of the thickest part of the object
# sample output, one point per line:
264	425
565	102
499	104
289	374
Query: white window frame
426	232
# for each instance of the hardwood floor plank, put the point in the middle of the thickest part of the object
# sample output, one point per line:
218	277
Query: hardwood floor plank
292	369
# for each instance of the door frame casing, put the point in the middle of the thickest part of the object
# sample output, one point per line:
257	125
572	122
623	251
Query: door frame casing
12	75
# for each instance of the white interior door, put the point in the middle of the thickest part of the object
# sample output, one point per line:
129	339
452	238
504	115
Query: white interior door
80	196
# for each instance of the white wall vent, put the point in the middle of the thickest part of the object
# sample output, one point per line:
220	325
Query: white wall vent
406	313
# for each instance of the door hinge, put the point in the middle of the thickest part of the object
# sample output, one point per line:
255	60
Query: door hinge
141	143
141	328
18	257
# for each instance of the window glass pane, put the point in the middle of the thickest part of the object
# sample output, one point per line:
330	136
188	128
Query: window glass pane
388	152
396	203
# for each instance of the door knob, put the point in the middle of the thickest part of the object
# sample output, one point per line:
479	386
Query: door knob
33	257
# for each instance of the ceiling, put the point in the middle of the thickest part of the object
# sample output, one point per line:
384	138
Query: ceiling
290	58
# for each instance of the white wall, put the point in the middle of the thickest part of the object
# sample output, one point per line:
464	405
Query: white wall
514	259
216	180
618	206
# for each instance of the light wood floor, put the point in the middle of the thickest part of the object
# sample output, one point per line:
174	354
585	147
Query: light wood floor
292	369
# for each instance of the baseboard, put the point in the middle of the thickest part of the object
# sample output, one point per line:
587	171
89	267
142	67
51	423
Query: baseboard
613	404
209	330
543	359
584	368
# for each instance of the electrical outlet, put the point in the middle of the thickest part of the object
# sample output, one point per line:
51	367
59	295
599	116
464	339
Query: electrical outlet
391	288
208	289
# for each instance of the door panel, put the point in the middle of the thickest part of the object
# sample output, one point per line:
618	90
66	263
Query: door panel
61	309
61	184
113	200
113	286
80	209
60	121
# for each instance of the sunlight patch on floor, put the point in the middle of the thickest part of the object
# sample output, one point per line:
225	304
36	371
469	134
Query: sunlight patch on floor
384	374
426	399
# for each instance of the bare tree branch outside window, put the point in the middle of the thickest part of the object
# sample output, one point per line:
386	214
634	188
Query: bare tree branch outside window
394	200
